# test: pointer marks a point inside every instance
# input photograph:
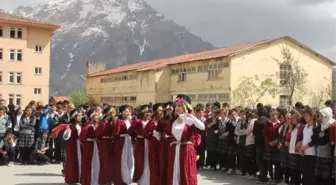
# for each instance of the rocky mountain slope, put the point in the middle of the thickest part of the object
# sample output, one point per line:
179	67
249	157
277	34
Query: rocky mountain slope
117	32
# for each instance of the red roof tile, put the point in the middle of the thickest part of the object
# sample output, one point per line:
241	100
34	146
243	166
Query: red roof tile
23	20
59	98
215	53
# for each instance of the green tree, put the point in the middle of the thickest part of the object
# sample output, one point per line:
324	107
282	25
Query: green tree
248	91
321	94
293	77
79	97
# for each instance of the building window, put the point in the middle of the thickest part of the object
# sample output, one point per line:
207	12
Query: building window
19	55
182	76
37	91
38	70
1	54
19	33
12	33
12	54
1	31
18	99
284	100
11	77
38	49
11	98
0	77
18	78
133	98
285	71
212	75
223	96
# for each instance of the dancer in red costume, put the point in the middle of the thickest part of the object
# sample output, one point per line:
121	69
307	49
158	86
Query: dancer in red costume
184	130
164	141
106	145
152	132
72	169
123	147
90	166
141	150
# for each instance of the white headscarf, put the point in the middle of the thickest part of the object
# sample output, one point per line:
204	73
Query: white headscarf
327	118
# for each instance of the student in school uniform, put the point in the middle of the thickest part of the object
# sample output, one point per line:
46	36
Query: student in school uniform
323	164
223	141
41	148
232	145
199	111
27	135
307	160
272	152
241	141
212	131
294	143
249	155
285	119
258	132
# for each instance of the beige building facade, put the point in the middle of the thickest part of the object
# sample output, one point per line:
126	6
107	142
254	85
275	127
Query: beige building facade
210	75
24	59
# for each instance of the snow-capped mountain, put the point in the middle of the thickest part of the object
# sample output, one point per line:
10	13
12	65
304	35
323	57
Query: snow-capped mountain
116	32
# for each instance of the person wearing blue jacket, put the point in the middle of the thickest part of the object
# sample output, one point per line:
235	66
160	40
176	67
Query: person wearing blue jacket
45	124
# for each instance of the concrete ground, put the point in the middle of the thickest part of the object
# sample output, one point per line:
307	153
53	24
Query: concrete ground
51	175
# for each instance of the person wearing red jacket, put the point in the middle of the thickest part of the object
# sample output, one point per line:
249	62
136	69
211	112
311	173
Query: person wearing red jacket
333	141
272	152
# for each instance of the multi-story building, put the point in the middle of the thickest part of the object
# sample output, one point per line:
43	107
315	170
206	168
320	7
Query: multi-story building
210	75
24	59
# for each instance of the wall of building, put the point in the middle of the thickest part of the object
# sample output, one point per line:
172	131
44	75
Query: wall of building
136	89
162	80
260	62
30	60
198	85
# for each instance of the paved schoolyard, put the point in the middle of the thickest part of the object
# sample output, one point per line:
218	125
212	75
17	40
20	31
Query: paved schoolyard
50	175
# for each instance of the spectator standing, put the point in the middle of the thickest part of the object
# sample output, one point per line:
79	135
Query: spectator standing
26	138
5	122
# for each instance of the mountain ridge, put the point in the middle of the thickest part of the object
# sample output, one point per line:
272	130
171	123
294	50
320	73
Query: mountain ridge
116	32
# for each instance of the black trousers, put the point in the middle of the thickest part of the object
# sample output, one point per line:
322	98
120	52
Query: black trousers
41	158
63	145
222	160
261	163
9	157
25	154
276	174
249	165
296	176
231	161
286	174
307	164
58	148
211	159
201	153
241	158
324	181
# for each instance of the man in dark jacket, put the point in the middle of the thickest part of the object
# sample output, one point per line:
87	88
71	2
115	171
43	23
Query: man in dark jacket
258	132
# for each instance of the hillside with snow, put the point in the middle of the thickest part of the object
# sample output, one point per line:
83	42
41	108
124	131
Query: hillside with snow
117	32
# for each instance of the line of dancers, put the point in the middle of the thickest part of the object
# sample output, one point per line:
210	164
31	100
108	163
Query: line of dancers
156	147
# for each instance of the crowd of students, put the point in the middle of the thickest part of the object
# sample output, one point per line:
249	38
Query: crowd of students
292	147
100	145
